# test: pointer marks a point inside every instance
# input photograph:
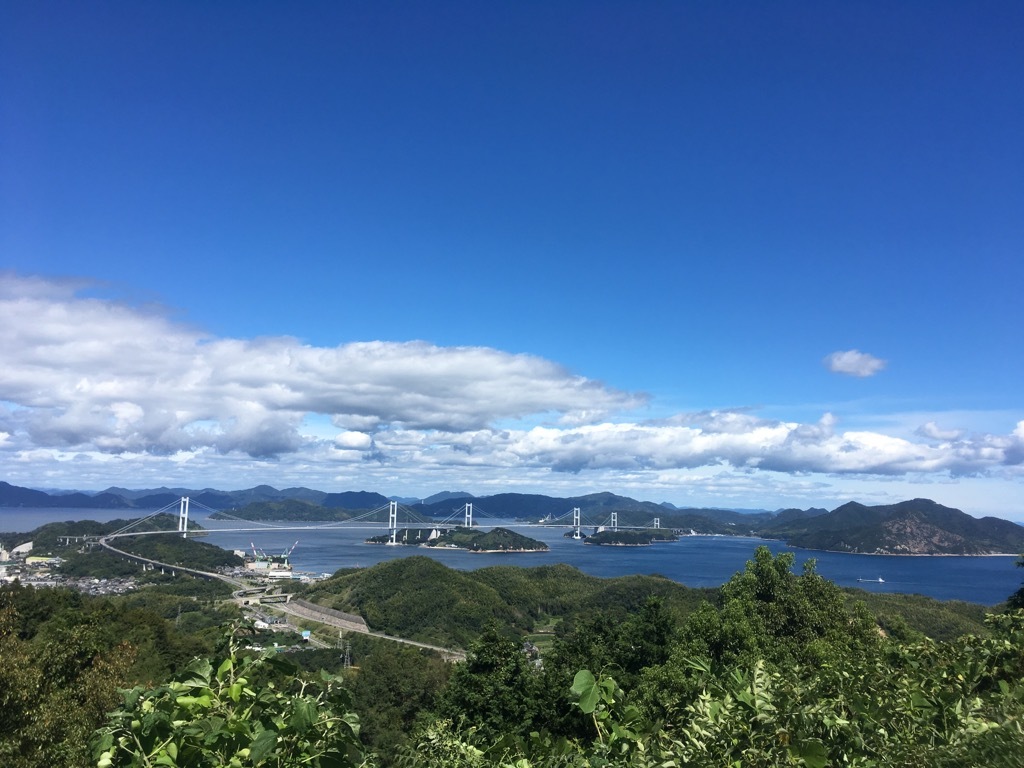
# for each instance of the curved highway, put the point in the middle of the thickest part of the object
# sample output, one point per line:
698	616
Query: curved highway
307	611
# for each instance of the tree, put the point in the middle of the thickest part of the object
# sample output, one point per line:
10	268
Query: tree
771	613
1016	600
495	690
768	614
54	691
235	711
395	686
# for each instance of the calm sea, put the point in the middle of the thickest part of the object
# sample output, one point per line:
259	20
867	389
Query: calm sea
696	561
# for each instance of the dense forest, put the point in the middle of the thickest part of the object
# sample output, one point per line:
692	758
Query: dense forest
774	668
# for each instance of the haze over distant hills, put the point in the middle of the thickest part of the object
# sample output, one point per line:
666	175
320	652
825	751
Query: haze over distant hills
917	526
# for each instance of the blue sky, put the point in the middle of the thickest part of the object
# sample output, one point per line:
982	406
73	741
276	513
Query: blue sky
735	254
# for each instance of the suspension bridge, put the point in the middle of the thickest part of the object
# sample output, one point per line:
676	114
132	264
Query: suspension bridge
390	517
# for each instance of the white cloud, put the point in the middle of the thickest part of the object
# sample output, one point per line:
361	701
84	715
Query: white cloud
932	431
853	362
94	374
96	393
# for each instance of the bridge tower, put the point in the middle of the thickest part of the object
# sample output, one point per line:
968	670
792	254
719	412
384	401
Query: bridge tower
576	523
615	521
393	521
657	523
469	514
183	517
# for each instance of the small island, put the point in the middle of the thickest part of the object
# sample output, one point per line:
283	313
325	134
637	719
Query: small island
642	538
494	540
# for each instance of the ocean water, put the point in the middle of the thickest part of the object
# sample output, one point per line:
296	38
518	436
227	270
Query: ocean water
696	561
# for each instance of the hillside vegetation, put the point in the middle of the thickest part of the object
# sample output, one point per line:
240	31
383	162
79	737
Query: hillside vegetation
915	527
775	668
419	598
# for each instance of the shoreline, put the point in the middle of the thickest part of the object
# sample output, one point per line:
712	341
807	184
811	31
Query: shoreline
459	549
497	551
849	552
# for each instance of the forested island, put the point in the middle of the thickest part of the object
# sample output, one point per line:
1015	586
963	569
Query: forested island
643	538
493	540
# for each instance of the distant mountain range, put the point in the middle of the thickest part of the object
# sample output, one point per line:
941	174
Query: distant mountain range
915	527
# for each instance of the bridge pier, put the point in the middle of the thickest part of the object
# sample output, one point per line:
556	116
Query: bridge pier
615	521
576	523
183	517
393	521
469	514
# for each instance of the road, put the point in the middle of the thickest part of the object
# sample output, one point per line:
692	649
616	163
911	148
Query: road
308	611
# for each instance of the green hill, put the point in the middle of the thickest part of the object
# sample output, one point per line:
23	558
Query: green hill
915	527
494	540
419	598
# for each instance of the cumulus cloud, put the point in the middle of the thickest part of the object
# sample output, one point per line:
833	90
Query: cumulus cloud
932	431
95	374
112	390
761	444
853	362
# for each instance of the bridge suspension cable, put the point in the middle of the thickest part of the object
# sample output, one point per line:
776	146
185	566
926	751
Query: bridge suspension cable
150	516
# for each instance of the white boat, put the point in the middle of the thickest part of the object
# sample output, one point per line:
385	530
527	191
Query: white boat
879	580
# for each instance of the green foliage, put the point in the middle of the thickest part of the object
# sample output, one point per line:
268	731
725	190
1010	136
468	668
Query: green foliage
174	550
918	704
548	590
917	526
494	540
767	614
619	646
421	599
619	727
776	668
53	689
472	539
418	598
47	538
904	706
770	612
495	689
393	689
1016	600
235	711
631	538
937	619
63	655
99	564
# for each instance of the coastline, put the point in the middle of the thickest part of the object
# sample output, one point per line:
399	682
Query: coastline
500	551
849	551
